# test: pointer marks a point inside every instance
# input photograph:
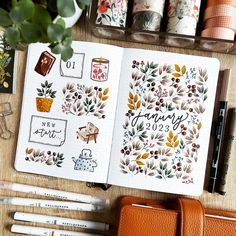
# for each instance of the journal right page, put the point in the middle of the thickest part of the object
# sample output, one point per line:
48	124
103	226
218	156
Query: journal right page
163	121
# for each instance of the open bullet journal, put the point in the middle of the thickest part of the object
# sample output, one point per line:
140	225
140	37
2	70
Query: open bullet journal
128	117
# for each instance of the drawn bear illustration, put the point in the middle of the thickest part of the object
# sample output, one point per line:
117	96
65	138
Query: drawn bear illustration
85	162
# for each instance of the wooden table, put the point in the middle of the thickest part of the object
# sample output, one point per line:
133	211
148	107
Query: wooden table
8	148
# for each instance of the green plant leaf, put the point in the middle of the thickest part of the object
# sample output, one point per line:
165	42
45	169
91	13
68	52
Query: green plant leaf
67	42
68	32
31	32
55	32
66	53
41	17
61	22
57	49
5	19
23	10
65	10
12	36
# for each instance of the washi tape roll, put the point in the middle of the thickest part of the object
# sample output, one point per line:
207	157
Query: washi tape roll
219	33
183	16
181	8
218	2
147	16
186	25
219	10
111	13
222	21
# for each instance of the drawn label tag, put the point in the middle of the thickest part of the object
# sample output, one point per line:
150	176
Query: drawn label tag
48	131
74	67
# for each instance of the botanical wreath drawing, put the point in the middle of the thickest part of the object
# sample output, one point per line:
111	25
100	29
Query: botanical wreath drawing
84	100
157	93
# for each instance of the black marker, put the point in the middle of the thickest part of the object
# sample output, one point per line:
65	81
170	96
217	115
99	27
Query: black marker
219	134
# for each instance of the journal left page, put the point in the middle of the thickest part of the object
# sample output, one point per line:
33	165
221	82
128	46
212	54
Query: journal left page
68	112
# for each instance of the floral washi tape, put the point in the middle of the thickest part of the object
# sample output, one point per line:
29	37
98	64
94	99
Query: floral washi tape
149	5
112	12
182	8
183	16
147	15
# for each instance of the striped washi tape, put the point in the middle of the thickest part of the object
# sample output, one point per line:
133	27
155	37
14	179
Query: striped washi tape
219	33
218	2
222	21
219	10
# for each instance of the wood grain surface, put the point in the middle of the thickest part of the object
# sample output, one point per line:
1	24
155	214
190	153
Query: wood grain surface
8	148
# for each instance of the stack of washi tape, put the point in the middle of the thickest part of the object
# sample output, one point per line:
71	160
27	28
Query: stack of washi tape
220	19
183	16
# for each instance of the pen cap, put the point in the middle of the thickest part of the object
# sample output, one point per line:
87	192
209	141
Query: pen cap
232	128
5	185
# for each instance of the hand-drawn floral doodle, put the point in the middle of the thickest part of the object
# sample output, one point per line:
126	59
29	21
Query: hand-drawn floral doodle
82	100
163	120
47	157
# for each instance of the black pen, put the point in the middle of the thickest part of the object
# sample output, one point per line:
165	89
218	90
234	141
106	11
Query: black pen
219	134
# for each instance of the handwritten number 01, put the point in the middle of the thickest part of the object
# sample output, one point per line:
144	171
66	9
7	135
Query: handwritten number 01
69	64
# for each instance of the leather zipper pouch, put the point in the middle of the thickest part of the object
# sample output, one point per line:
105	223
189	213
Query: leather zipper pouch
183	216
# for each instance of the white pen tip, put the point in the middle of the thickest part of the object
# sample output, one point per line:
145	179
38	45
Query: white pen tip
5	185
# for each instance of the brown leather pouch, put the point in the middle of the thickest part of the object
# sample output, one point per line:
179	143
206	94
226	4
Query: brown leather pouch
183	216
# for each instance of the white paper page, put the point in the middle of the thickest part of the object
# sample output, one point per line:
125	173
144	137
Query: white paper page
73	139
163	121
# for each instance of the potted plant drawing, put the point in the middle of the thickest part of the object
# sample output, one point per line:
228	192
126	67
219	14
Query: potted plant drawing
45	21
46	96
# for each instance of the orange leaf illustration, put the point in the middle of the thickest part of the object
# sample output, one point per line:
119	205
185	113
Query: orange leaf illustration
169	139
104	98
131	95
140	163
175	138
131	101
138	104
135	98
145	155
30	150
183	70
138	157
176	144
131	106
177	68
176	75
171	135
168	144
106	91
199	126
100	95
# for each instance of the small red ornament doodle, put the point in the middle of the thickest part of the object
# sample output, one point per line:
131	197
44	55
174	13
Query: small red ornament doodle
100	69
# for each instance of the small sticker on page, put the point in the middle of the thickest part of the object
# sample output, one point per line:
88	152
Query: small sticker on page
74	67
48	131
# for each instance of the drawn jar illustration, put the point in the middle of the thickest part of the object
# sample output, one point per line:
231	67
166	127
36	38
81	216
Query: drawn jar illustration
100	69
45	99
85	162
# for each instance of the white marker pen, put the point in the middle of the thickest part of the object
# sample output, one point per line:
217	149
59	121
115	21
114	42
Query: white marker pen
22	229
50	204
53	193
53	220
